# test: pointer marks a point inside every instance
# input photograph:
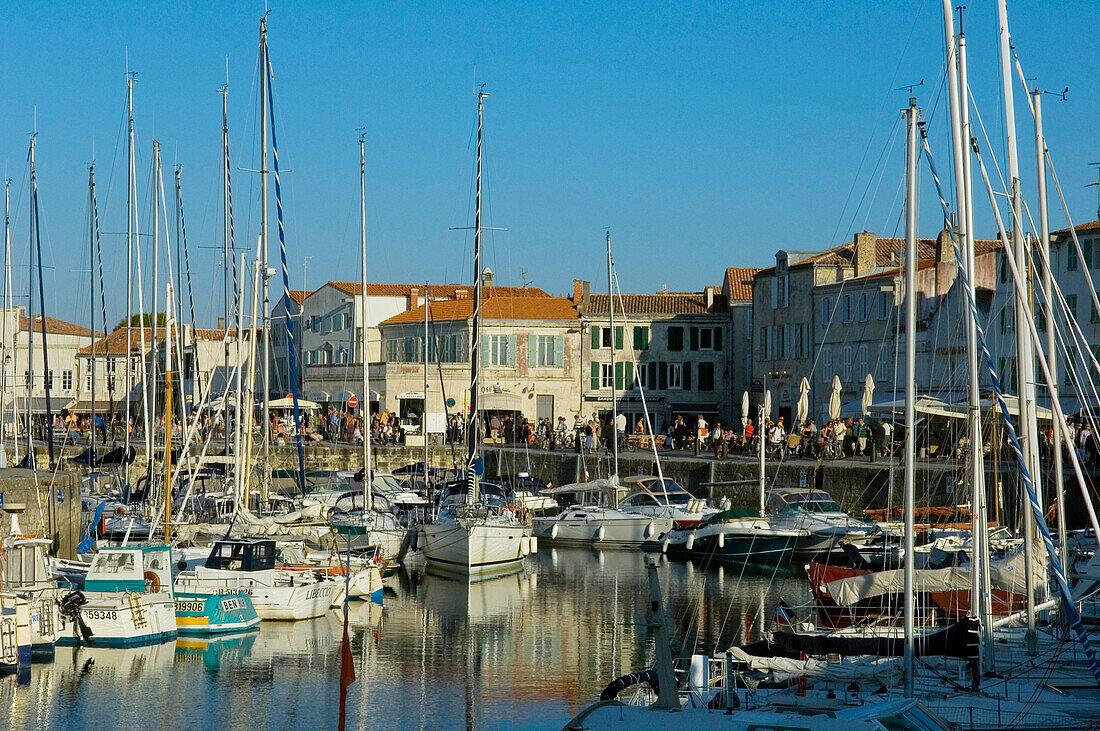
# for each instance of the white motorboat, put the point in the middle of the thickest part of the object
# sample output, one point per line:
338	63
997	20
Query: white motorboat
26	573
247	565
797	508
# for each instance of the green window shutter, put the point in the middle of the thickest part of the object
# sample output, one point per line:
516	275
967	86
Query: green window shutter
637	338
595	337
619	337
645	337
694	338
651	380
595	375
559	351
532	351
628	381
685	376
511	351
675	339
662	376
619	376
717	338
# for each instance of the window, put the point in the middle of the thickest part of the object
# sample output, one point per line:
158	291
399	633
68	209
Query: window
882	368
87	381
783	291
1040	318
1007	319
1071	258
1086	249
675	338
66	380
763	343
864	307
706	339
545	351
706	376
780	340
675	374
862	361
607	375
409	350
846	364
885	302
1071	305
826	364
49	380
1095	316
1067	378
498	350
641	337
826	311
847	305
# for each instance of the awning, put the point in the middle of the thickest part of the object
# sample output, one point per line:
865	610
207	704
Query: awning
288	403
38	404
410	395
1013	404
318	396
342	396
500	402
102	406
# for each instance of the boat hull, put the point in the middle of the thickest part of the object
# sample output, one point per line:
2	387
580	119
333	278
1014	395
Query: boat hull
200	613
619	532
125	619
476	549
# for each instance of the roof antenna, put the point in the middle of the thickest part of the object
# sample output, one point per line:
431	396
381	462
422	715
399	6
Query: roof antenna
1097	186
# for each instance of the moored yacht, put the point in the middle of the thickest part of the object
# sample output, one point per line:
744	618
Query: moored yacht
478	538
815	512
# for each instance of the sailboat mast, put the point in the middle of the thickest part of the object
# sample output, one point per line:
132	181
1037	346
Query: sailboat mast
363	343
473	429
168	425
424	408
1025	353
30	314
912	113
151	394
611	323
9	350
91	292
264	70
131	195
228	260
1052	350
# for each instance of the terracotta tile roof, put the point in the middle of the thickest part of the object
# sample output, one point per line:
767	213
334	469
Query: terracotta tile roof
450	291
493	308
885	249
660	303
299	295
739	283
1090	226
56	327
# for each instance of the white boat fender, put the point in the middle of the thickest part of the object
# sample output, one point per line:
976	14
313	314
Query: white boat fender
721	540
601	533
524	546
534	544
650	527
664	544
691	541
554	531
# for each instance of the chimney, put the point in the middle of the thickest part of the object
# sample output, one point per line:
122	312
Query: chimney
487	277
414	298
580	292
710	297
945	252
221	323
865	253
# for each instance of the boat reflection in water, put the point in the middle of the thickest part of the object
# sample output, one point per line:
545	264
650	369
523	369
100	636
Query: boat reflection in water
527	650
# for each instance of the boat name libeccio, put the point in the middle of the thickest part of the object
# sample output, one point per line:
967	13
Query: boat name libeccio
318	592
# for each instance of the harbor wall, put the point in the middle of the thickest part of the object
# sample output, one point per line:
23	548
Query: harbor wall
48	506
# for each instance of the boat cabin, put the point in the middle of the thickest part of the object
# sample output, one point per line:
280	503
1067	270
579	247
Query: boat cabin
25	567
793	500
242	554
647	489
131	568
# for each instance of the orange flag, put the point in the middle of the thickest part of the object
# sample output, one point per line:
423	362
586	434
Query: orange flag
347	671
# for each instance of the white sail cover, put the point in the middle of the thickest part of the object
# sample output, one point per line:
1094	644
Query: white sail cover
1006	574
853	668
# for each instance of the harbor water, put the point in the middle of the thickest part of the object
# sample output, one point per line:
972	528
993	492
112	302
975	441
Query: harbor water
522	651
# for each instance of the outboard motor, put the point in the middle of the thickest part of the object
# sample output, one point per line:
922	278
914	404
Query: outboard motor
69	606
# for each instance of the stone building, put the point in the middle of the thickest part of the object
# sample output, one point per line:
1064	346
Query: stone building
530	358
838	312
672	345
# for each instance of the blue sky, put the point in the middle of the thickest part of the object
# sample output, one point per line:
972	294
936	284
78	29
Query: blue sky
705	134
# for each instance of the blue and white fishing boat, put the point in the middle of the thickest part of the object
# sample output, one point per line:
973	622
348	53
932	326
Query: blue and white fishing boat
210	613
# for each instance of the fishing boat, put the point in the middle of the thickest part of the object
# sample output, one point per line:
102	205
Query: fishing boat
247	565
27	574
127	600
15	633
476	533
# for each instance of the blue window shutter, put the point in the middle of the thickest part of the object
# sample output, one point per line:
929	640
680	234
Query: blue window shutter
559	351
532	351
511	351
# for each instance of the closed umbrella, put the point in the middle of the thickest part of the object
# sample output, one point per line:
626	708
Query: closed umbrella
767	404
868	394
803	401
834	400
744	408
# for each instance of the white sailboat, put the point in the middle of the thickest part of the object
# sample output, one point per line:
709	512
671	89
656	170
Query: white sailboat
476	534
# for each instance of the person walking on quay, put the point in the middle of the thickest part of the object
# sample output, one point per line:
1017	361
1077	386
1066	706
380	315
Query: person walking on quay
861	435
701	432
718	441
